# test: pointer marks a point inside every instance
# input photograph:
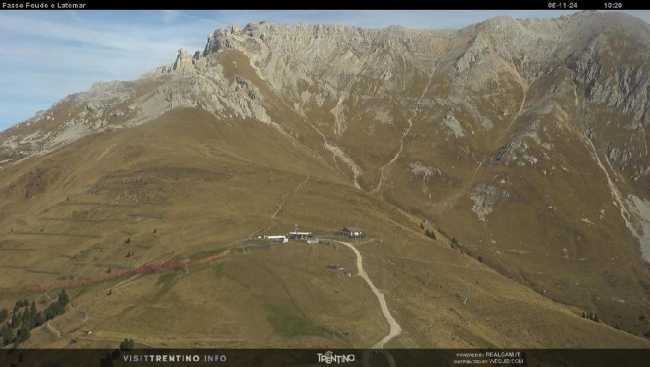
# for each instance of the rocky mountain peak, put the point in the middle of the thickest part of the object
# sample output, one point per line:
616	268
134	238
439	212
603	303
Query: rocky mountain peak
526	139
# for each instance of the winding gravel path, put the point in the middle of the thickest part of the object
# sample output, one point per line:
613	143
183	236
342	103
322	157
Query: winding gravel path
394	328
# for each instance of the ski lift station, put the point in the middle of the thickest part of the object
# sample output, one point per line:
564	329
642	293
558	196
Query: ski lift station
296	235
353	232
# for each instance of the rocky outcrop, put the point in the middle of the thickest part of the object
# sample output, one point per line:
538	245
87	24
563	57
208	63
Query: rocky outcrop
336	60
533	127
486	197
183	61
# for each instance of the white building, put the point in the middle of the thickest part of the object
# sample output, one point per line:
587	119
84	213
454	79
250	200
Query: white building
277	238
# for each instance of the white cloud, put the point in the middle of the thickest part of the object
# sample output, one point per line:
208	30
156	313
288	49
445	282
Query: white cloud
46	58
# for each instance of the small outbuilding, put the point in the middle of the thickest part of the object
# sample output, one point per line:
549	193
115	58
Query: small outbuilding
353	232
296	235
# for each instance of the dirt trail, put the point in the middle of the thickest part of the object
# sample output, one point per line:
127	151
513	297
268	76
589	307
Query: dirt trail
126	282
337	152
524	89
382	169
52	329
147	268
616	194
450	200
394	328
284	201
48	325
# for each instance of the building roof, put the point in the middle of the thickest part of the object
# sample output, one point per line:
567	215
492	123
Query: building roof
353	229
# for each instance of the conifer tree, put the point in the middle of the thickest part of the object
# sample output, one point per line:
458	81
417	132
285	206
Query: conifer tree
4	314
6	335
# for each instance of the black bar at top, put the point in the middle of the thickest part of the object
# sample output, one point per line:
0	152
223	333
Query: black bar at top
329	5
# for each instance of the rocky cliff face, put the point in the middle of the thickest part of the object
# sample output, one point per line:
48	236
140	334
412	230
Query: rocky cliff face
525	139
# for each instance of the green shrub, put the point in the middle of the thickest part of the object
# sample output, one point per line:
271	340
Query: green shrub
23	334
430	234
218	268
127	344
7	335
63	298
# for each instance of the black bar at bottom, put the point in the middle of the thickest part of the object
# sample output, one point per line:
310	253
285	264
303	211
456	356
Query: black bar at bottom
327	357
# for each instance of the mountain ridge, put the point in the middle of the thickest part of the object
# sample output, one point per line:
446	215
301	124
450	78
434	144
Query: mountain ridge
521	142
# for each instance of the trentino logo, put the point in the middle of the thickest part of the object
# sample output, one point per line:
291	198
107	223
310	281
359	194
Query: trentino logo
329	357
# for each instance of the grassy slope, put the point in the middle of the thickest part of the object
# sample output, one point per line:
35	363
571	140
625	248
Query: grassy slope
204	185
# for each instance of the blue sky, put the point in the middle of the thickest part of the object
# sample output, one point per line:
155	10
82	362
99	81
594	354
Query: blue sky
46	55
